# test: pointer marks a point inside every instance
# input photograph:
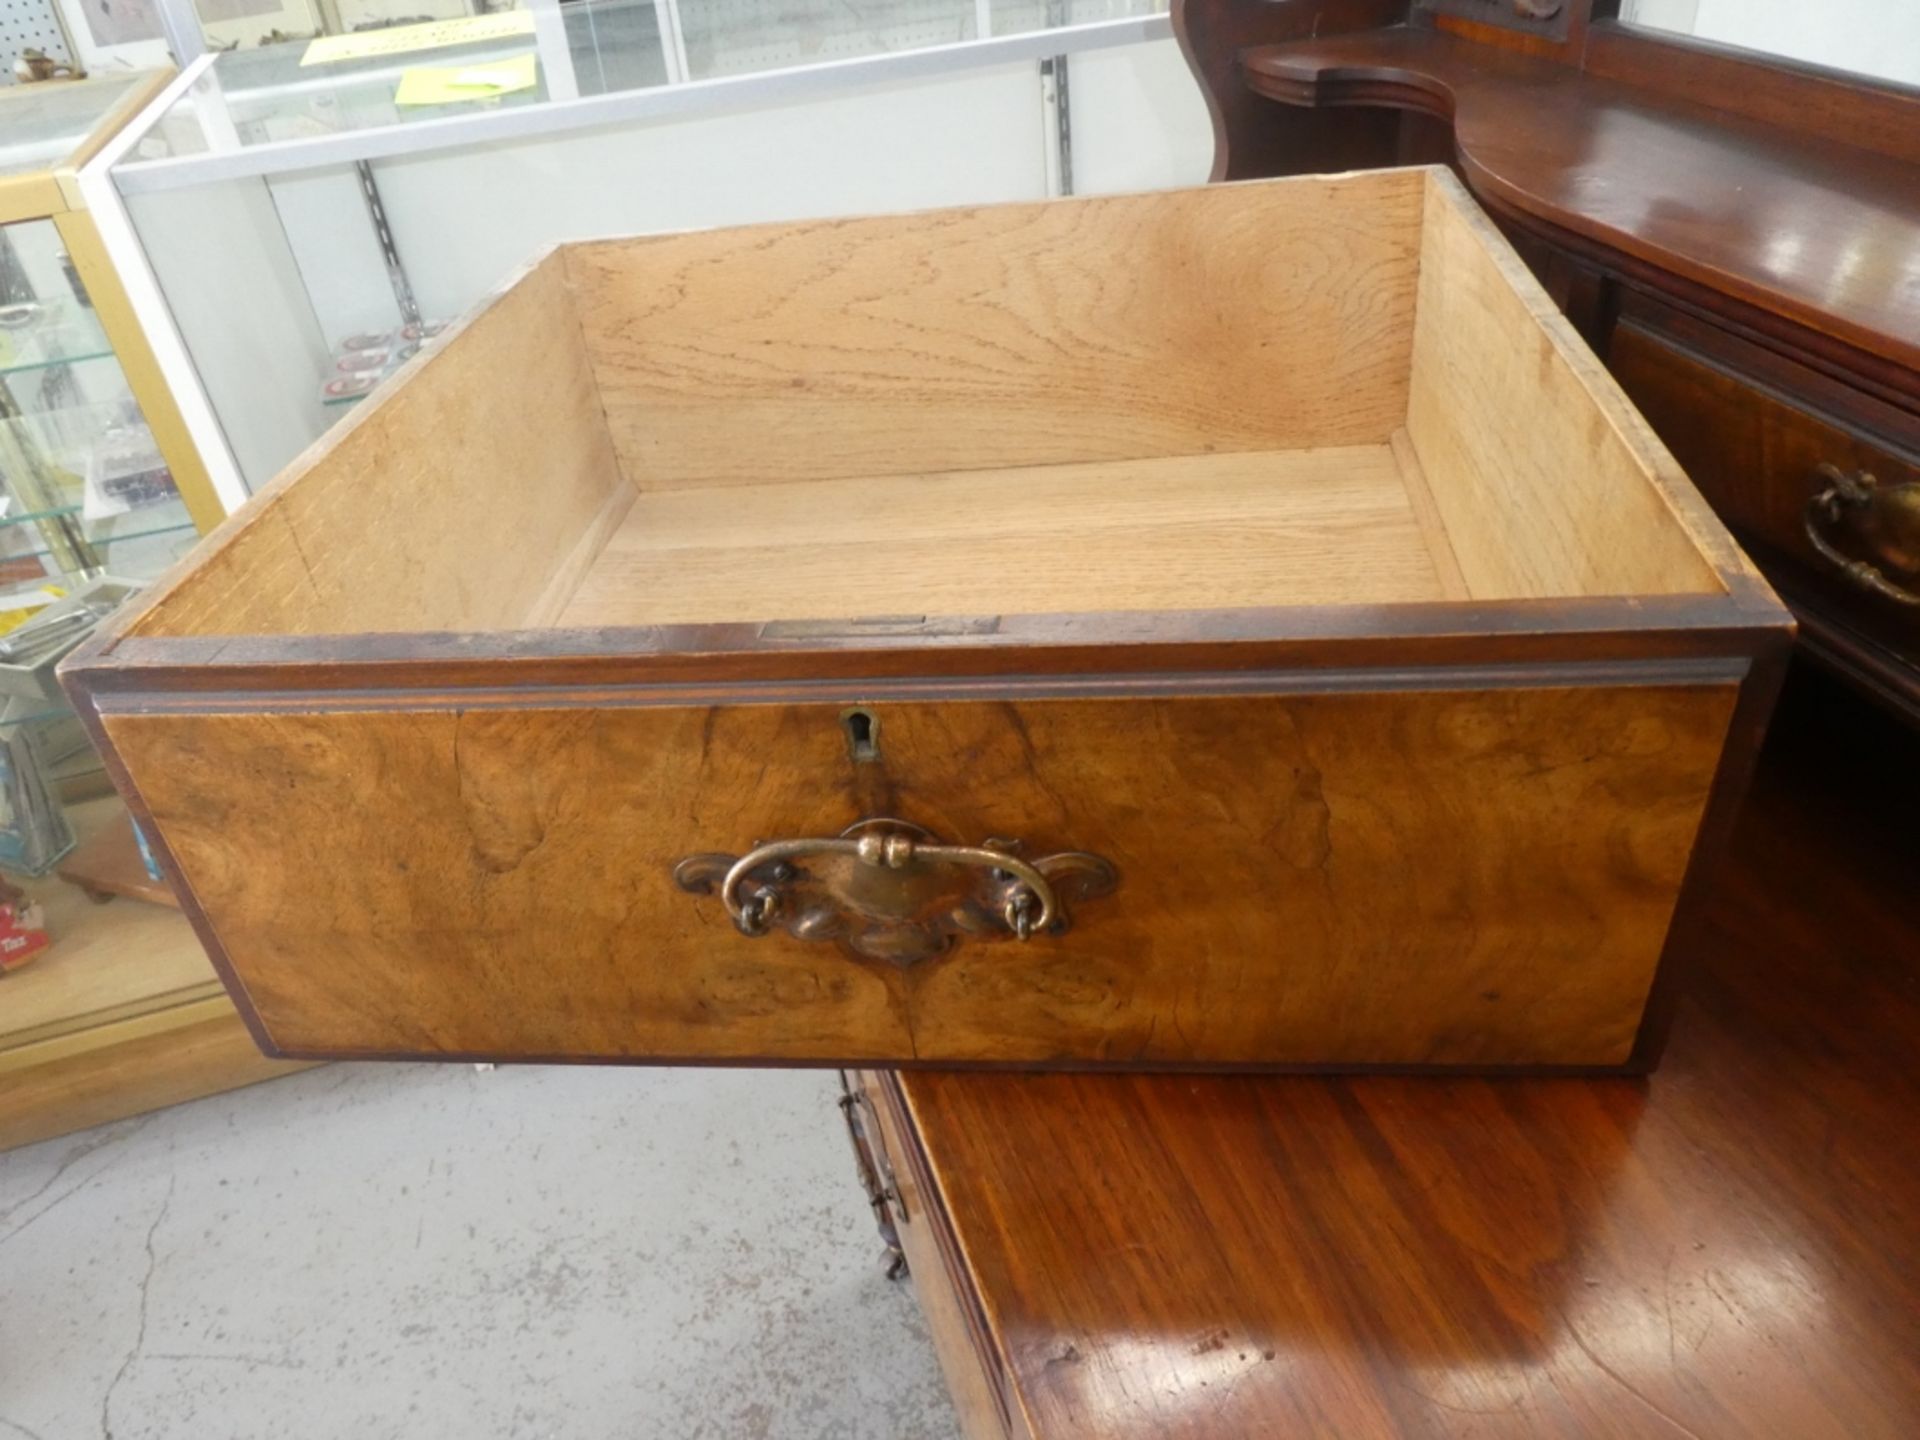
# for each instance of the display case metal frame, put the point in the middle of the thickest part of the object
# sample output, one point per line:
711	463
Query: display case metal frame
674	100
56	194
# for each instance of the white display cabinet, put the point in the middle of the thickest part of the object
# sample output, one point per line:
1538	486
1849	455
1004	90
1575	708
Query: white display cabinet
284	205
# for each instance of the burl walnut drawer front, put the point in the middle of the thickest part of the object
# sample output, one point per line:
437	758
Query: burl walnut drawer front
1228	627
1394	878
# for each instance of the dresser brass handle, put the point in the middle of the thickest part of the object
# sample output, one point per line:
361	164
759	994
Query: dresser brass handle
895	849
876	1173
887	890
1888	517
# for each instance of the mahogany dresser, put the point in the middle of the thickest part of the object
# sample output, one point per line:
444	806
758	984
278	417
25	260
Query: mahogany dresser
1738	237
1732	1247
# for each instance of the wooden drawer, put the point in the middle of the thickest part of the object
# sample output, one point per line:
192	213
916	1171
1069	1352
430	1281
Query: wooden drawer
1781	452
1232	627
949	1299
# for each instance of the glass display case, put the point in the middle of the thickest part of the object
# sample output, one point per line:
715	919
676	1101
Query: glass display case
347	194
106	1009
99	488
85	485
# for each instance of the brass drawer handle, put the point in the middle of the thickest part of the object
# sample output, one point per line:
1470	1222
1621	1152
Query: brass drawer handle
1887	519
887	890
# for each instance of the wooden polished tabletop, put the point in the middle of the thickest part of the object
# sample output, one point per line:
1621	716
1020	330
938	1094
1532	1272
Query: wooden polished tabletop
1817	229
1729	1249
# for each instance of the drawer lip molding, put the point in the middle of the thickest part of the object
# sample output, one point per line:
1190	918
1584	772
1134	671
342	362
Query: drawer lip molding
1488	633
1644	673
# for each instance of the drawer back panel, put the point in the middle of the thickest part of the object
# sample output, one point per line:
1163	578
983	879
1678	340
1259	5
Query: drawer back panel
1261	317
1395	878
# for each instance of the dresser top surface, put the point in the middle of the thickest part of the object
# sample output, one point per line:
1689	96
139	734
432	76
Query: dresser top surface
1823	232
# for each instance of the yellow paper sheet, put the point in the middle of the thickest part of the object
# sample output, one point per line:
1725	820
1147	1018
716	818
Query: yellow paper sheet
429	35
450	84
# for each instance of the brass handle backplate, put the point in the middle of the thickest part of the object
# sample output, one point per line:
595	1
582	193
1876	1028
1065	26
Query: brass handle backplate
887	890
1885	520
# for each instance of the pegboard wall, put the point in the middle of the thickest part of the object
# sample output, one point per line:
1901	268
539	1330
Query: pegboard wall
30	25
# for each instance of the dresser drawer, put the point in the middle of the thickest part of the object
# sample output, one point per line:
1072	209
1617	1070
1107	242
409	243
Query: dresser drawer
915	1220
1830	507
1233	627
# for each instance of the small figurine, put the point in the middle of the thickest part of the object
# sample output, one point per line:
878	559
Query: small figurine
38	65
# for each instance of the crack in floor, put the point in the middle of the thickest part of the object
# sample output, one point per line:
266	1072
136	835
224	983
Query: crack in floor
140	1335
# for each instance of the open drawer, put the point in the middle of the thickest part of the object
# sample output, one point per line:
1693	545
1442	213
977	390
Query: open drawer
1231	627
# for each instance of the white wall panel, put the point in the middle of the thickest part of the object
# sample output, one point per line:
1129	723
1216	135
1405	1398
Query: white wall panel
1139	122
464	220
1872	37
224	266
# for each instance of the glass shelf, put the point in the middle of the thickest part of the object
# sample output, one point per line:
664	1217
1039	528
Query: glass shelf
83	486
20	541
89	509
60	333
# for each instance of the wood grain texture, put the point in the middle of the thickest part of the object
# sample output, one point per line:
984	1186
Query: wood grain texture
1732	1249
128	1067
447	501
579	561
1418	877
1426	514
937	1273
109	863
1158	523
1115	328
1582	499
1850	111
1770	209
1183	533
1754	449
1781	227
1252	137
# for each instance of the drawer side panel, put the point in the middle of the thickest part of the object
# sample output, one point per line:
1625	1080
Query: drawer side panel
441	503
1395	878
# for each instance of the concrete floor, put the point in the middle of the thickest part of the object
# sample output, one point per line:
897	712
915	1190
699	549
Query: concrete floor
372	1251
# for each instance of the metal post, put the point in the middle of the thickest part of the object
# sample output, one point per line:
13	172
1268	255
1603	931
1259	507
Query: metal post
180	23
1059	110
396	272
1056	119
556	54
